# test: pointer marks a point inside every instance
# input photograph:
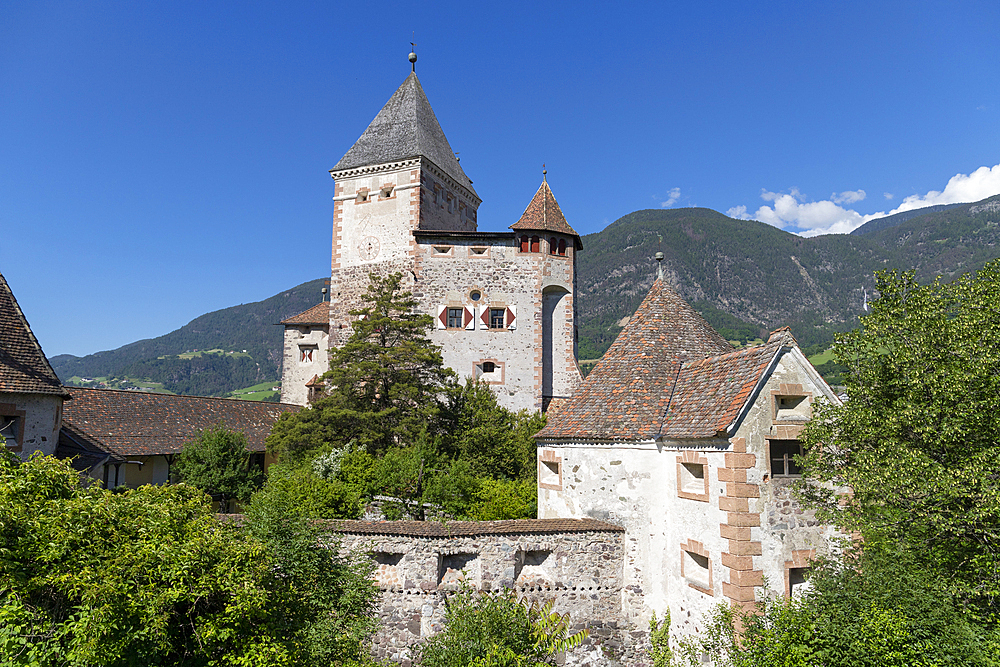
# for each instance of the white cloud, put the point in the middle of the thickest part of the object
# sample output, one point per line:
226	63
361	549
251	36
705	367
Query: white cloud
888	195
807	218
848	197
672	198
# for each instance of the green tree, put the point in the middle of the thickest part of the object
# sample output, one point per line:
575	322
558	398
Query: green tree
918	441
307	494
218	463
498	630
388	383
151	576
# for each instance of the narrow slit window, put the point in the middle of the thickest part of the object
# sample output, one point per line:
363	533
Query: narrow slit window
562	247
535	242
553	245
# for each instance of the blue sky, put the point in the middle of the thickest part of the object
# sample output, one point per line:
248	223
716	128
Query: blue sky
162	160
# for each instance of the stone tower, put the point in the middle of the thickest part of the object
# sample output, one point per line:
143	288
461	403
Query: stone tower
502	302
399	177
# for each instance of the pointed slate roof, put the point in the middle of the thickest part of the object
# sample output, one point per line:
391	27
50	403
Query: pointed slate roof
23	366
627	394
406	127
318	314
543	213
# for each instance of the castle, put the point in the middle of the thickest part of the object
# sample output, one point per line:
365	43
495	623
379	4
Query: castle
502	302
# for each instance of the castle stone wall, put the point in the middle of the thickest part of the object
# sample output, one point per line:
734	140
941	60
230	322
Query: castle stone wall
39	418
580	570
297	368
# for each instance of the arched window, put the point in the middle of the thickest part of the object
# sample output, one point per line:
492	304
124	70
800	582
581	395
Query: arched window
562	246
552	245
534	244
524	243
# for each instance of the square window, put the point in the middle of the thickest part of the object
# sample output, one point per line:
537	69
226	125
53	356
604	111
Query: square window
549	476
9	427
797	579
307	354
455	318
489	366
696	569
783	453
692	477
497	317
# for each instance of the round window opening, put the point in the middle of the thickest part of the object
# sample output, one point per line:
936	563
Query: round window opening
476	295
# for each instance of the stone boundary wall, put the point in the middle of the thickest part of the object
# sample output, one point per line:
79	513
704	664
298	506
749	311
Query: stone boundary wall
578	563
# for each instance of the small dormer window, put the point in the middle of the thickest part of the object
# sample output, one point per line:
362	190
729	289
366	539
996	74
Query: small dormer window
386	191
477	252
795	408
362	196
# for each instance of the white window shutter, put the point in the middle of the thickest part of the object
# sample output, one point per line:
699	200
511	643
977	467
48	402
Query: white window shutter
511	317
469	318
442	318
484	317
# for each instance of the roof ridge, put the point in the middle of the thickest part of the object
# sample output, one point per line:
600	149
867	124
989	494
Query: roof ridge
536	216
156	393
52	381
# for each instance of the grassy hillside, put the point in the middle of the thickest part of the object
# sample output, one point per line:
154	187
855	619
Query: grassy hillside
245	342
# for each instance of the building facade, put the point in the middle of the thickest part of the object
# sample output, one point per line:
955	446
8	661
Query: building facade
502	302
689	445
31	395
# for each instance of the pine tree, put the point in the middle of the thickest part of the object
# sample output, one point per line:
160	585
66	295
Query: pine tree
386	386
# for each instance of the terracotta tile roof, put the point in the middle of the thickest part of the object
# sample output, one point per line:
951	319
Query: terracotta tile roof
23	366
85	451
710	393
543	213
318	314
627	393
473	528
406	127
135	423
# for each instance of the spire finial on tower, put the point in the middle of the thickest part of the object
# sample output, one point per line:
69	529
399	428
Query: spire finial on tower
659	265
544	171
413	57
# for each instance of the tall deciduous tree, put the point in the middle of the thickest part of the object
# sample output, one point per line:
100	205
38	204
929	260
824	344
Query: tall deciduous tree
218	463
151	577
387	384
918	441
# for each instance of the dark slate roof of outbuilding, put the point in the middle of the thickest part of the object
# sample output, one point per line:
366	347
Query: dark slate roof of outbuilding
543	213
136	423
627	394
318	314
473	528
406	127
23	366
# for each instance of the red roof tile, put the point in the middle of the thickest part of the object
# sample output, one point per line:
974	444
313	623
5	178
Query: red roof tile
627	393
23	366
543	213
710	393
135	423
318	314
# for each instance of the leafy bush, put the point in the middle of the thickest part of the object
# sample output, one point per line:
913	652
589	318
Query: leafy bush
307	494
218	463
498	630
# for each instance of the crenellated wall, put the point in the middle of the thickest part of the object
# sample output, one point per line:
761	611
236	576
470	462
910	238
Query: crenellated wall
578	564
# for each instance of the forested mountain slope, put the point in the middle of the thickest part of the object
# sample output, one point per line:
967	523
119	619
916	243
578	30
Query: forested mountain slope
249	327
764	276
745	277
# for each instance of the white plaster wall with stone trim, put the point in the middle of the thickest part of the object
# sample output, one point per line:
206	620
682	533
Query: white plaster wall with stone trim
295	373
635	486
378	228
581	573
41	421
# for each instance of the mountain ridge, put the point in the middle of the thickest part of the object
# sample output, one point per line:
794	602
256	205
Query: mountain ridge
744	276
